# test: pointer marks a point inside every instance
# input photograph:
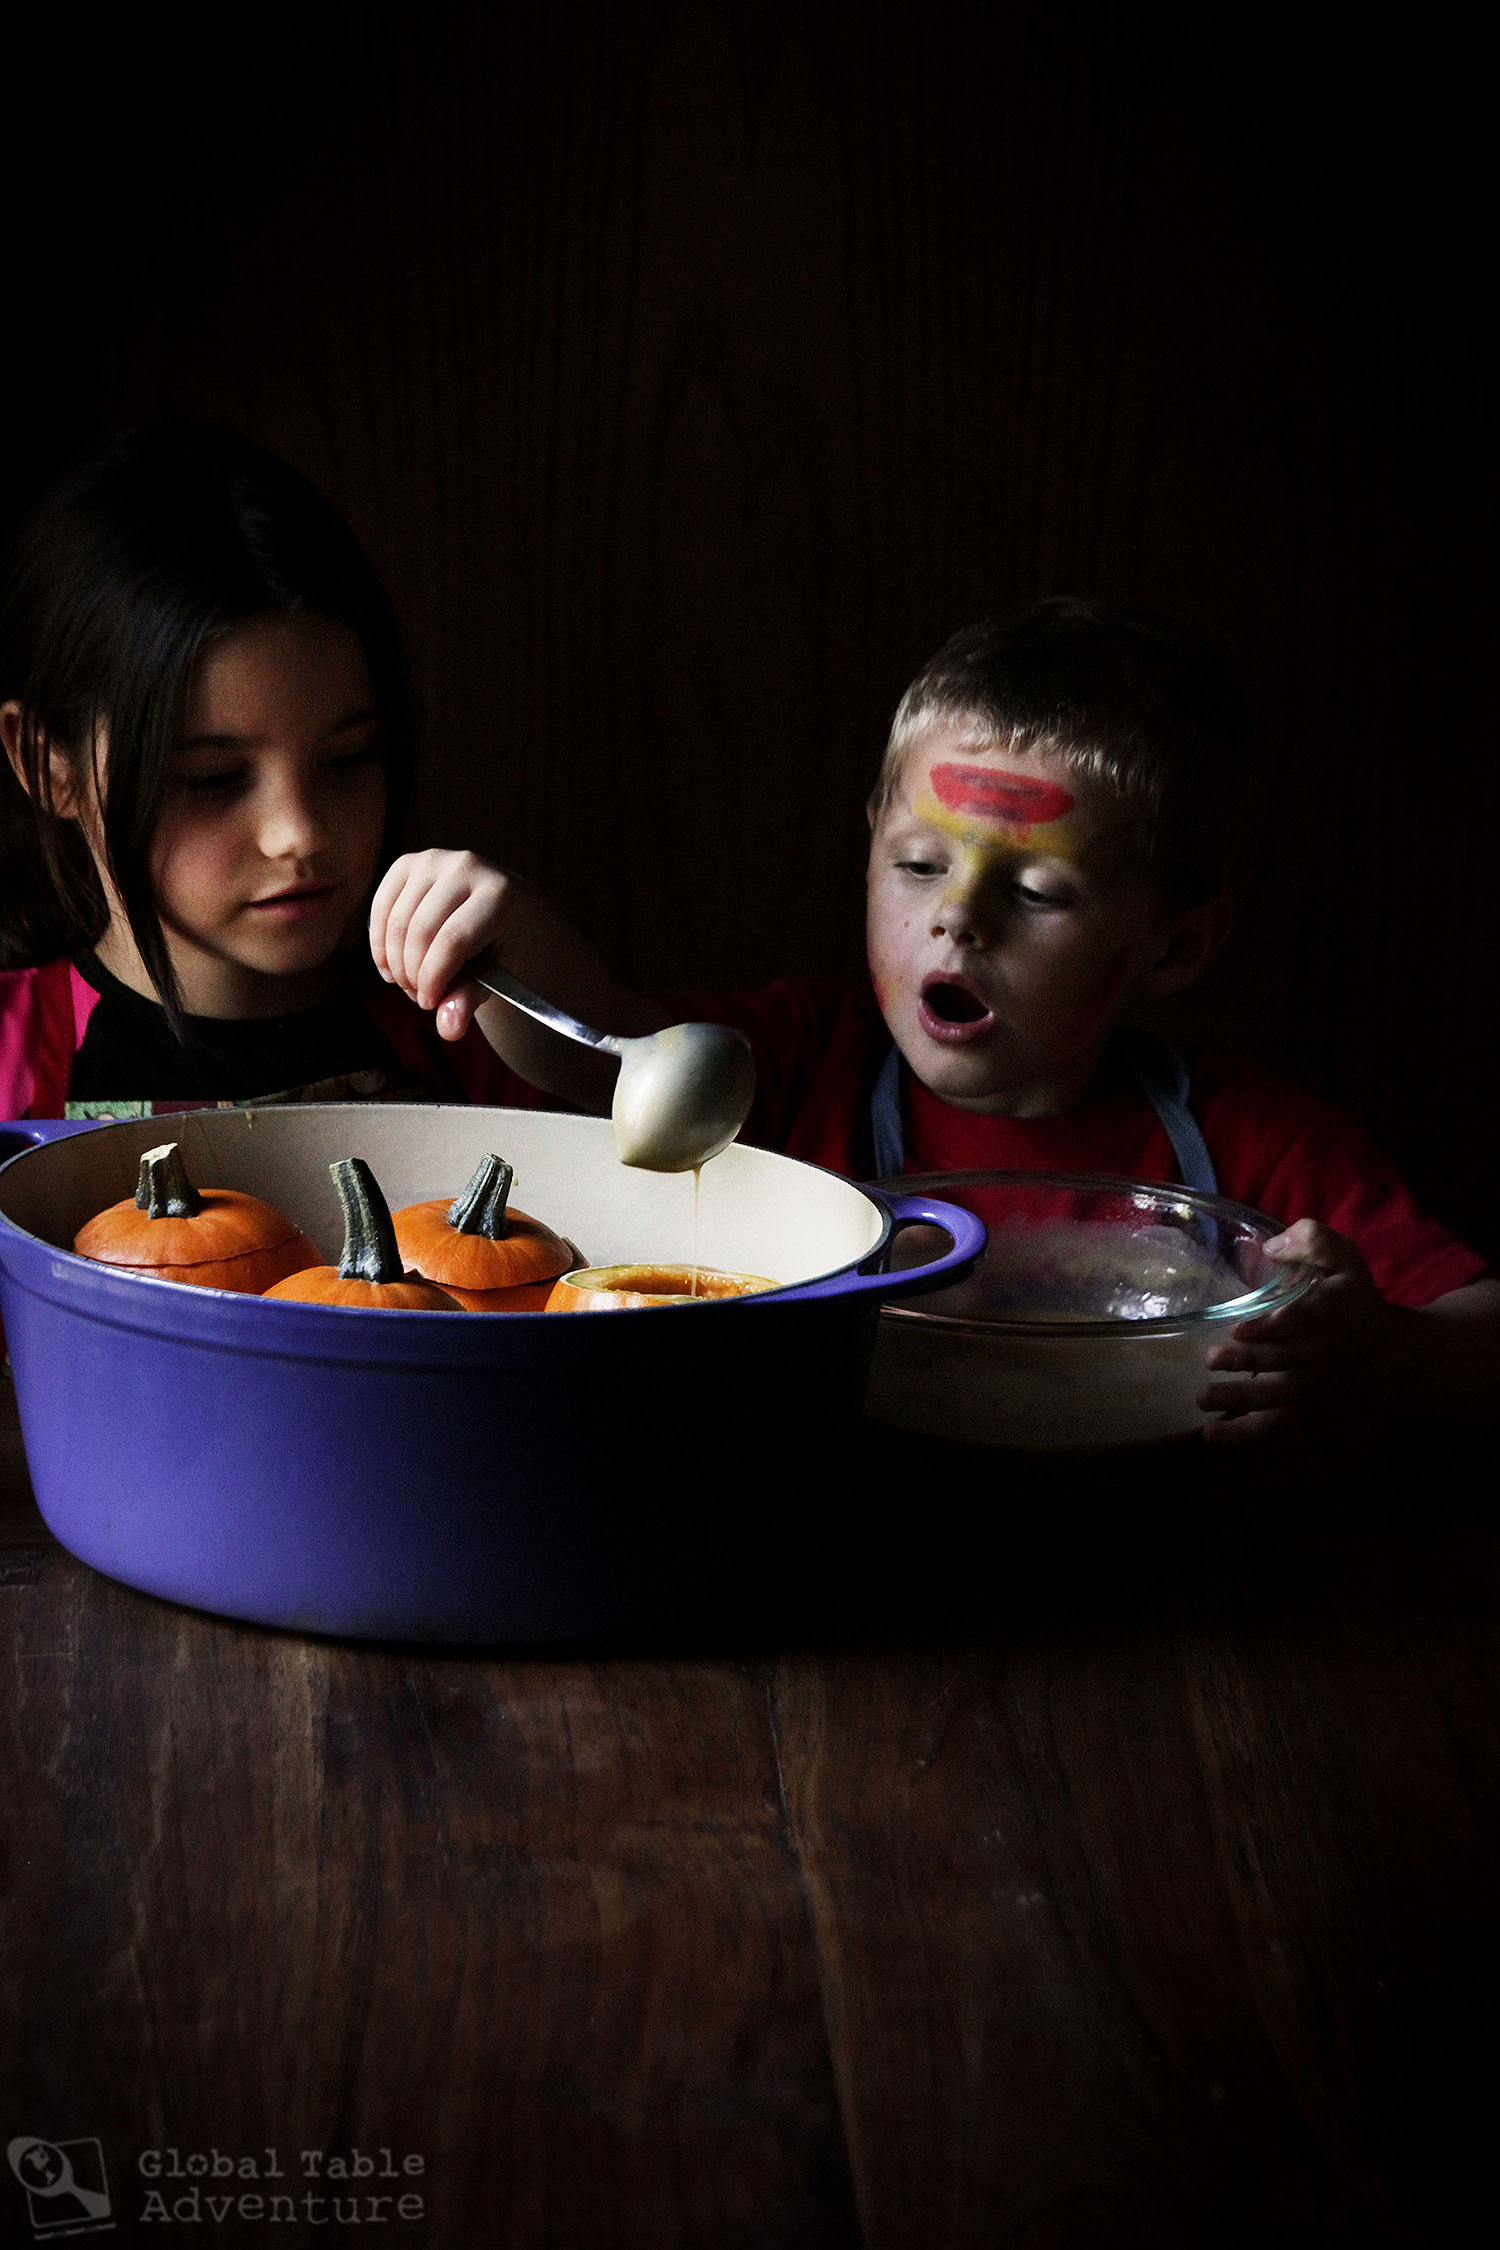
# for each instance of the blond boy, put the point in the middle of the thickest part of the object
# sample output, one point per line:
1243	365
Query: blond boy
1047	839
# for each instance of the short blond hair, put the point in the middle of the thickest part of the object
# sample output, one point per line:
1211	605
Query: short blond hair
1115	694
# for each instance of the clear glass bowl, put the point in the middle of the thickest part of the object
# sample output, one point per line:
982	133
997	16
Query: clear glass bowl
1086	1323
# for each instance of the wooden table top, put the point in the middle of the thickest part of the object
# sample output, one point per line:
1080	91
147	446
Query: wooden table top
1104	1867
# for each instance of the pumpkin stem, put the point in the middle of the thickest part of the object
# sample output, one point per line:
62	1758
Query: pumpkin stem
480	1209
370	1252
164	1190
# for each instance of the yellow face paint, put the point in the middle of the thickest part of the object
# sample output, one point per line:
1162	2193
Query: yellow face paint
985	807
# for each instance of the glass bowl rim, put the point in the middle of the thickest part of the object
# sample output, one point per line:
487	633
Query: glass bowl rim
1290	1282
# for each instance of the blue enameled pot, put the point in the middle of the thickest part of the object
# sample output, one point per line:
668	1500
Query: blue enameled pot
485	1477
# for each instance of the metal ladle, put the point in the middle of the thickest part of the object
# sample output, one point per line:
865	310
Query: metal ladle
682	1094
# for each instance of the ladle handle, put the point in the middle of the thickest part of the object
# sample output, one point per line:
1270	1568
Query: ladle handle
494	979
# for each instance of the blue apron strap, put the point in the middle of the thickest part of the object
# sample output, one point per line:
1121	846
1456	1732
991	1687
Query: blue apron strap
1162	1075
885	1119
1159	1071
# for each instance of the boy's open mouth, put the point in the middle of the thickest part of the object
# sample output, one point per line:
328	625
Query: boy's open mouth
951	1010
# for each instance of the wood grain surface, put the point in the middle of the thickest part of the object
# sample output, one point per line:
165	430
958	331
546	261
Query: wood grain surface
693	367
1083	1872
1110	1866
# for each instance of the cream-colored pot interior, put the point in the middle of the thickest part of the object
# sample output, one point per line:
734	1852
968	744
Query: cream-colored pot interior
757	1213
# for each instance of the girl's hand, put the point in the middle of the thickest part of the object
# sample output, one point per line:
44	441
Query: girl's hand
435	911
1297	1366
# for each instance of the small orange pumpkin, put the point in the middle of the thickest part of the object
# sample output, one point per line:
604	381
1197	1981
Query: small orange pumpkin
215	1238
489	1258
369	1273
633	1288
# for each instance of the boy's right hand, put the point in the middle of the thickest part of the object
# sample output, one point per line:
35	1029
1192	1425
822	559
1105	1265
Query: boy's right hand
434	912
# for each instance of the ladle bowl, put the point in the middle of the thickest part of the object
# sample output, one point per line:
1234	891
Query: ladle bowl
682	1093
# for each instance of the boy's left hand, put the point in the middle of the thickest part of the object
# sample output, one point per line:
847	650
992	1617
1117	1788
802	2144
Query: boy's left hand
1292	1367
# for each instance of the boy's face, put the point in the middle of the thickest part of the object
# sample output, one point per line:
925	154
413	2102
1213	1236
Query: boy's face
1009	922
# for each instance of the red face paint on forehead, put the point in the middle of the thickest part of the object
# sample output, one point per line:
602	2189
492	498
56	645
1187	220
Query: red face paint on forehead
1018	799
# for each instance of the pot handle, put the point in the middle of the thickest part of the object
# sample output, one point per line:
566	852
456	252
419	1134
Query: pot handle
968	1240
17	1134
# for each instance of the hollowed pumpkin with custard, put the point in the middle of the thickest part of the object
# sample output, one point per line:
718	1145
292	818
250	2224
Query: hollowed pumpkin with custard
637	1288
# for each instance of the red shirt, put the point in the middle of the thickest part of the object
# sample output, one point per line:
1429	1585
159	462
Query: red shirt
819	1044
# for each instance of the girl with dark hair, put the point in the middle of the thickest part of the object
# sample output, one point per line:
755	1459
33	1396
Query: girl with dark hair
209	738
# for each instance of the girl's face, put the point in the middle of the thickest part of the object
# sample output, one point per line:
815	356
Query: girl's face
271	826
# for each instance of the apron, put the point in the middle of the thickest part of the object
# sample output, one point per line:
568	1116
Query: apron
1158	1069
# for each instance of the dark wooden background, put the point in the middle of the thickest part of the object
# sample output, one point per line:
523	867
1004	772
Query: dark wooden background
692	370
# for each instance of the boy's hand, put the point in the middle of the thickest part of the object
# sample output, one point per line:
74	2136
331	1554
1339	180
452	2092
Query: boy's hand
434	911
1292	1367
